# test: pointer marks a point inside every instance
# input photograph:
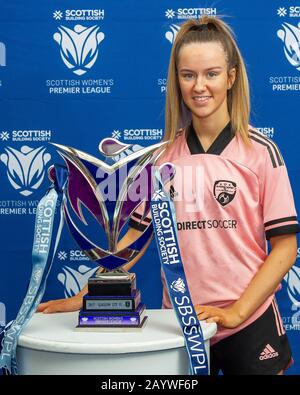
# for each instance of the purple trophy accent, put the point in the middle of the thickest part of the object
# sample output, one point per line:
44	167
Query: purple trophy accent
51	173
144	192
81	190
167	172
112	147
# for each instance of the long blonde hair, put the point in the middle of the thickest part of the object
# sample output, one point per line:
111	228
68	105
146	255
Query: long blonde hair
208	29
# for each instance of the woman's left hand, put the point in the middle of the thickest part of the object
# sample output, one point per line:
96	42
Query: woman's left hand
227	317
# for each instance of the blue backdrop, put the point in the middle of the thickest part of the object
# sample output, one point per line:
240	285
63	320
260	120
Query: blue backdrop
49	93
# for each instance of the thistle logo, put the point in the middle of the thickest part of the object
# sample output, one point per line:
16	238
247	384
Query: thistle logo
2	55
158	195
171	35
116	134
290	36
4	136
178	285
58	15
25	168
282	11
79	47
73	280
62	255
170	14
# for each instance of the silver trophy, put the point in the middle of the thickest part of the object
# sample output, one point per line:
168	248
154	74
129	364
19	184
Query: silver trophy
111	191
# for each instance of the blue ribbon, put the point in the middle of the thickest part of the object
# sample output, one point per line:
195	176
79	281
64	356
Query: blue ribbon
49	221
165	230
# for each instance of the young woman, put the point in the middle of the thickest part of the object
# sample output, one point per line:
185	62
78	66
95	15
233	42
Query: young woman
231	278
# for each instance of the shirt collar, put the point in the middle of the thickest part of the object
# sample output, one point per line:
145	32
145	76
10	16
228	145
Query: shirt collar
219	144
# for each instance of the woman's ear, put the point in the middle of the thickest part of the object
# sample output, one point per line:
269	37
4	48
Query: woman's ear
231	78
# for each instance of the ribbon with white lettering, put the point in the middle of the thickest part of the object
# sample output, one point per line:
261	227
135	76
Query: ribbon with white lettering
164	224
48	222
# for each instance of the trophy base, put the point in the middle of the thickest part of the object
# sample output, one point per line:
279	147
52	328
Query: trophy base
112	328
120	318
117	275
113	304
106	303
112	284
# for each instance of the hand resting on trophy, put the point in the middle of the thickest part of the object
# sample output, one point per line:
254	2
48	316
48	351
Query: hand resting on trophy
74	303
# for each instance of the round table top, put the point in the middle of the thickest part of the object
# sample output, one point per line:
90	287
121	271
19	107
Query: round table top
56	333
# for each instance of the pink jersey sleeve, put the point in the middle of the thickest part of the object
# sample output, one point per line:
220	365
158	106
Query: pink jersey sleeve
277	200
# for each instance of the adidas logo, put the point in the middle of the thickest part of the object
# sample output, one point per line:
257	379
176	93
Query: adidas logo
268	353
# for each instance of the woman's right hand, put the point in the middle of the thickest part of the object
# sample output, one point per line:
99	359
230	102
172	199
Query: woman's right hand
60	305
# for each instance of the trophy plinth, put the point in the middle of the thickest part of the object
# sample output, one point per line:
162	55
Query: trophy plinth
112	302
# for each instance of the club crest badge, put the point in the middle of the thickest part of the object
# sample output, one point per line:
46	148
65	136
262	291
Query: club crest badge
224	191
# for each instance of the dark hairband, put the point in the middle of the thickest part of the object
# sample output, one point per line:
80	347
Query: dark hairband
203	26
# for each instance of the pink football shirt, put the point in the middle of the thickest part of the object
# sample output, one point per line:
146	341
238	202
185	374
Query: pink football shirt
229	201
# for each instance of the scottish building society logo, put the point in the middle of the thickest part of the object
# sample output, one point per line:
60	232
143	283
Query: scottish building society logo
25	168
26	135
79	15
188	13
72	255
137	134
79	47
290	36
292	11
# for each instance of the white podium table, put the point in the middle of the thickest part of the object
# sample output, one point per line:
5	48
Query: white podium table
50	345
